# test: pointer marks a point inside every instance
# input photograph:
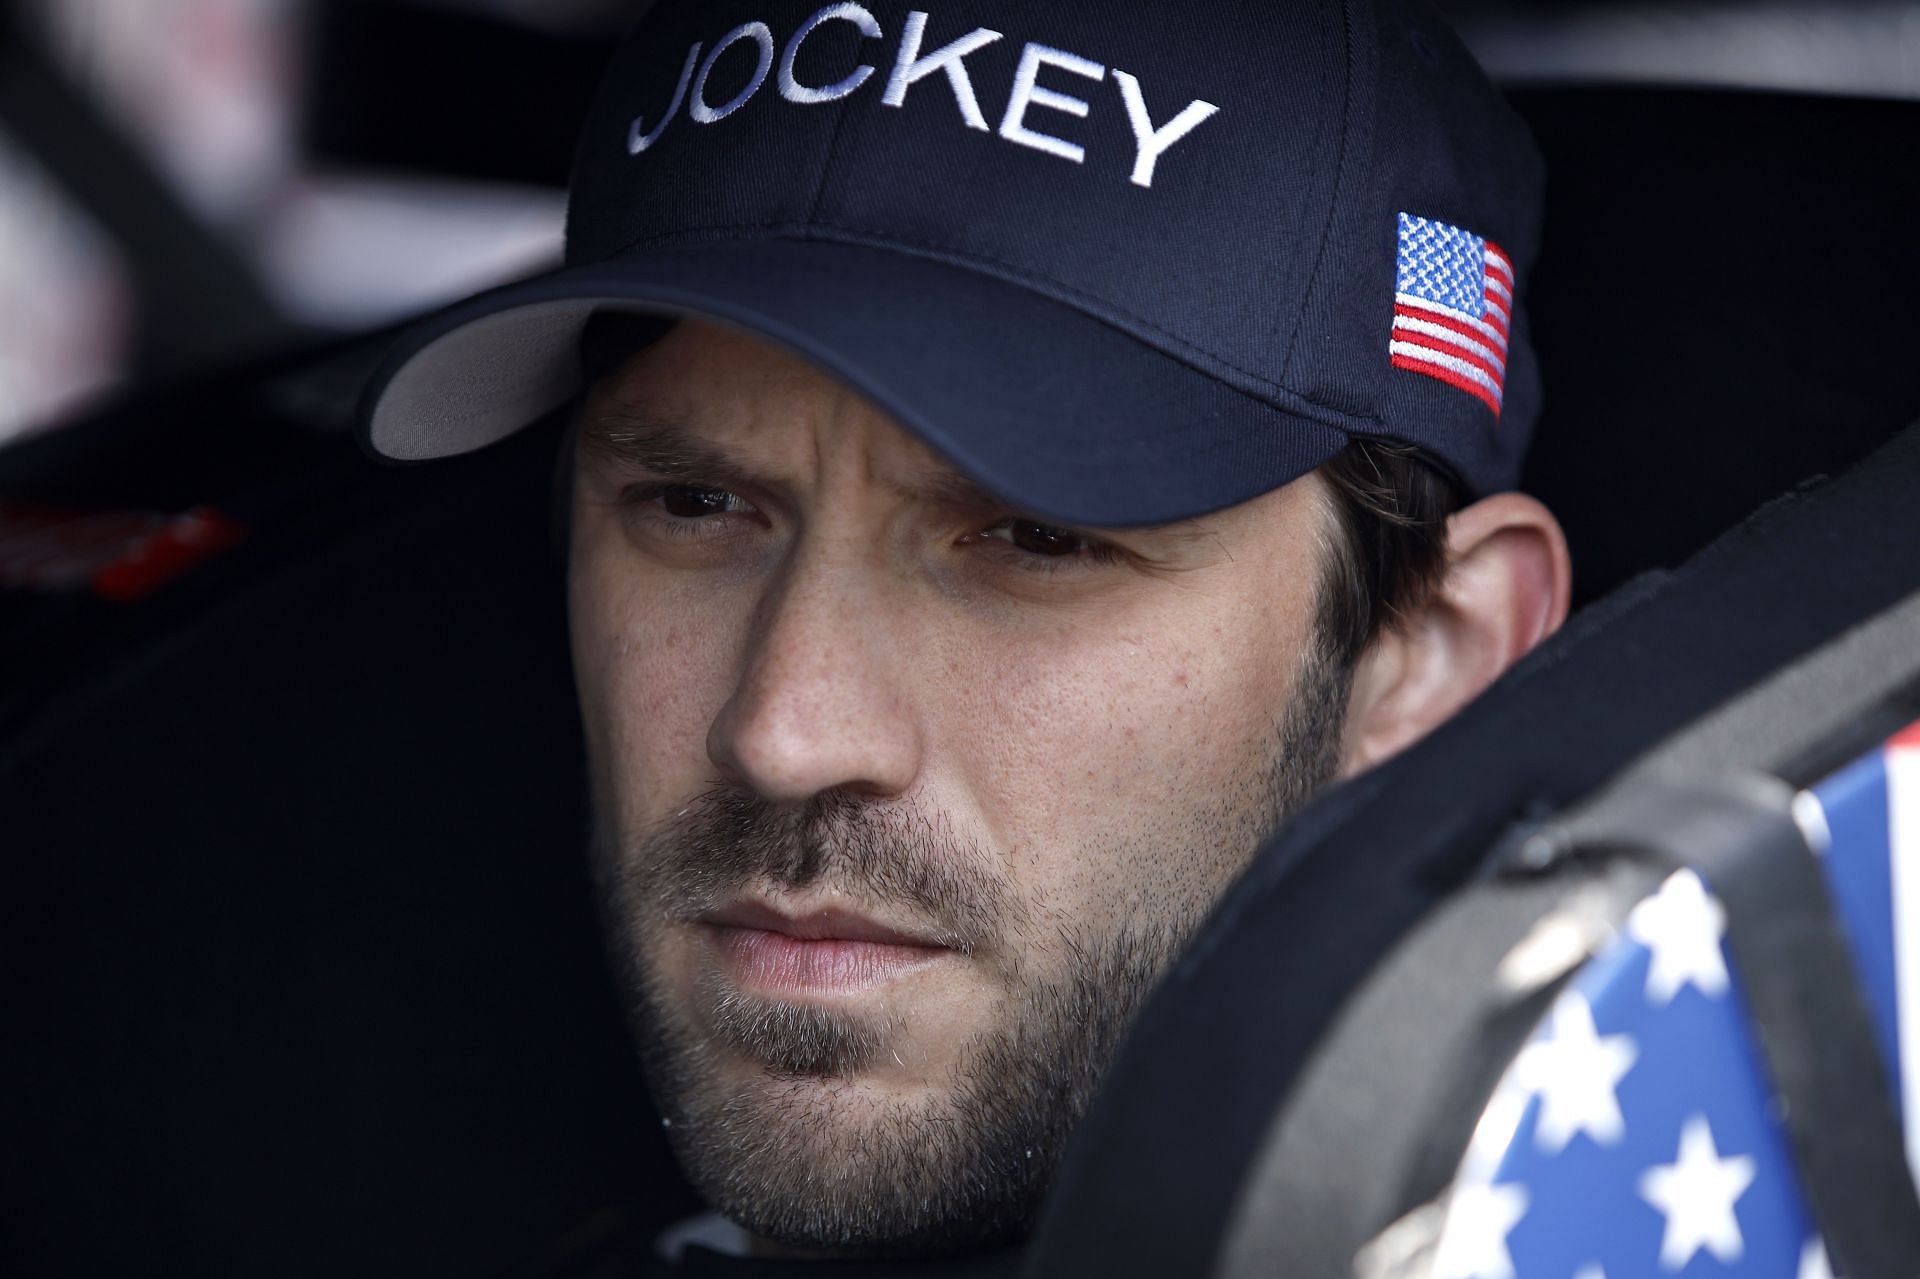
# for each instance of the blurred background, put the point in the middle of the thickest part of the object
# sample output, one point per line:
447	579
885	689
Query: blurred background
190	181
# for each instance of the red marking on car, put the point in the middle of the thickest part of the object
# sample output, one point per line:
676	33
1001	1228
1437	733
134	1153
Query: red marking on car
116	555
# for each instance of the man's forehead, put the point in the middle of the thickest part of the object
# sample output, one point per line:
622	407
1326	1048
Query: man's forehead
697	445
707	400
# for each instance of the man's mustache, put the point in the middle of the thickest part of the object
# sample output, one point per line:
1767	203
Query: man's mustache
878	854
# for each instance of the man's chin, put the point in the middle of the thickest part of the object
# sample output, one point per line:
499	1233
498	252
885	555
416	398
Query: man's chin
920	1125
842	1166
850	1105
752	1036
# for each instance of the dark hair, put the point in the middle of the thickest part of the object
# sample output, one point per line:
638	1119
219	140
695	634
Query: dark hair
1388	549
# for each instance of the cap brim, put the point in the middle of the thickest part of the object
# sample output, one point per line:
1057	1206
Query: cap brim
1039	402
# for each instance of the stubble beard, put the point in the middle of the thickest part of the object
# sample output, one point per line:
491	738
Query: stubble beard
805	1155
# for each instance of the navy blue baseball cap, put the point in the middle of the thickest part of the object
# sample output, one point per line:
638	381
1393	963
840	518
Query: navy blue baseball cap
1121	261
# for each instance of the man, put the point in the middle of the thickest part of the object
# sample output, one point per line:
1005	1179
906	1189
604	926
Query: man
1025	451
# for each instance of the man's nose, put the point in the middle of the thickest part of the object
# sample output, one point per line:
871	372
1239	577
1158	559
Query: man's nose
819	705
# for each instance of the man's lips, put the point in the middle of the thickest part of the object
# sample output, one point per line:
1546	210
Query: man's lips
825	924
817	951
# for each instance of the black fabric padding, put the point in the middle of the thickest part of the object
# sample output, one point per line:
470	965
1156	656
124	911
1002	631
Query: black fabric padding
1149	1183
1813	717
304	977
1362	1141
1802	992
1712	286
1381	1115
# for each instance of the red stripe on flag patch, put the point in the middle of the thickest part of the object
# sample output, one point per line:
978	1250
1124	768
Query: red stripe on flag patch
1497	259
1454	349
1445	321
1447	375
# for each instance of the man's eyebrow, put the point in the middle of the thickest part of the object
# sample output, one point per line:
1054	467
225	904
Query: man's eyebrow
653	443
666	447
944	487
953	489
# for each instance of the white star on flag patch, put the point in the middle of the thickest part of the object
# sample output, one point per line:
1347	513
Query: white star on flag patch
1452	308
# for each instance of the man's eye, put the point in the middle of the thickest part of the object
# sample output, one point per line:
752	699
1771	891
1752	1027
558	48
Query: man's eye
699	512
691	502
1047	540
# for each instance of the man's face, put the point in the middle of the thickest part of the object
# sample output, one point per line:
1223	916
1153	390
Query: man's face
903	799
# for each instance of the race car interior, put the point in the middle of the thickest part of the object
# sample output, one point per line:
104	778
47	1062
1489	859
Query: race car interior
307	979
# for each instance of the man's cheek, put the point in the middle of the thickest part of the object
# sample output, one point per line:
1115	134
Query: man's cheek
654	678
1074	747
1120	715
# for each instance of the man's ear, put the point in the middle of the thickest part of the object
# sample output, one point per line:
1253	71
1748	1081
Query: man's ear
1505	589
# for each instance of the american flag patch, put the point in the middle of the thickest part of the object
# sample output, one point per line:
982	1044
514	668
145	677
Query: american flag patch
1452	308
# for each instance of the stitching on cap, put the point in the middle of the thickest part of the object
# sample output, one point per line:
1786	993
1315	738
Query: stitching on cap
826	165
1339	185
